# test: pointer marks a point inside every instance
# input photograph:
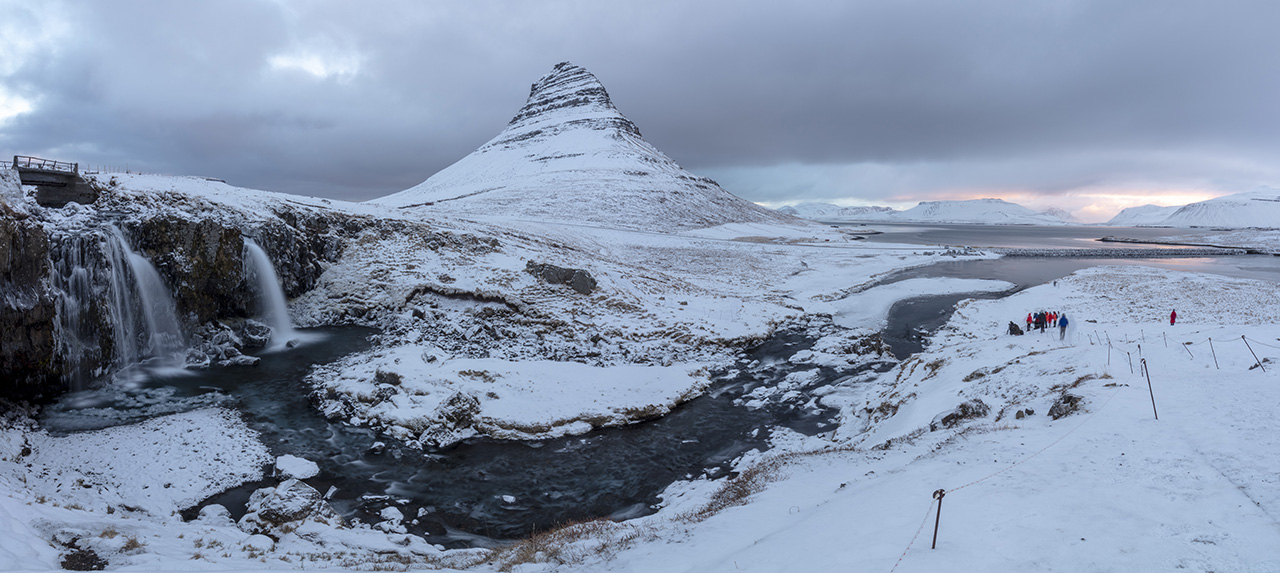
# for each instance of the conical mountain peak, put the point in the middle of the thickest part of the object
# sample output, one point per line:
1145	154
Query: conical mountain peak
567	94
568	155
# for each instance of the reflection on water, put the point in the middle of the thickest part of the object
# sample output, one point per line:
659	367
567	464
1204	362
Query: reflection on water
1019	236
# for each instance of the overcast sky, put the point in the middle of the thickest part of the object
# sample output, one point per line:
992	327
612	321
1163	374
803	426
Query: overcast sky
1088	106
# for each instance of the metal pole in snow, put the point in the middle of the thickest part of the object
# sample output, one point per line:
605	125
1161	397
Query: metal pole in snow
1147	371
1215	354
1186	347
1166	339
1255	354
938	495
1130	355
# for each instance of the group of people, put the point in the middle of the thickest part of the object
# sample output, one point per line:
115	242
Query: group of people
1044	319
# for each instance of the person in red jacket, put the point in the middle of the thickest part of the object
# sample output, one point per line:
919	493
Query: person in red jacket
1029	320
1173	317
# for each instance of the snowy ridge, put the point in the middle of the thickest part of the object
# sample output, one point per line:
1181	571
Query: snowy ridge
1144	215
973	211
569	155
1257	208
977	211
830	212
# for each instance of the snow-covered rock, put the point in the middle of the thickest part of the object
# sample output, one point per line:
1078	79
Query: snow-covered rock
569	155
274	511
294	467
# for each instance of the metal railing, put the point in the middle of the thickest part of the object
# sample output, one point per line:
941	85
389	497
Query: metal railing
25	162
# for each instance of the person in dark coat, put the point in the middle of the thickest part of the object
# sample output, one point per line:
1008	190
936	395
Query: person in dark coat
1173	317
1062	326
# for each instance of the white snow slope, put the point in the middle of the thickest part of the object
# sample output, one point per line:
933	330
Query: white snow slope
1257	208
1144	215
976	211
830	212
973	211
1106	488
570	156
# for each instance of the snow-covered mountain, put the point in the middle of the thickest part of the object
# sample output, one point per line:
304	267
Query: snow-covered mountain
1257	208
569	155
1143	215
830	212
976	211
1063	214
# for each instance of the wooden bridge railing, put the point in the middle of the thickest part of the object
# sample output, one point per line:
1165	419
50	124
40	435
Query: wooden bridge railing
25	162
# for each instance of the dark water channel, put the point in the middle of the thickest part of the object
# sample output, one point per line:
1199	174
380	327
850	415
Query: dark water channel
480	490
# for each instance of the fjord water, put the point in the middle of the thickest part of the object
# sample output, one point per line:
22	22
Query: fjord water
911	321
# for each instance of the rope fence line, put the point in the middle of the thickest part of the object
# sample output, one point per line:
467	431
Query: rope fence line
1096	339
914	537
1042	450
938	494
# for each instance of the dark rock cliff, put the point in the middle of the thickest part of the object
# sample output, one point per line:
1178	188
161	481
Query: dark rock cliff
27	312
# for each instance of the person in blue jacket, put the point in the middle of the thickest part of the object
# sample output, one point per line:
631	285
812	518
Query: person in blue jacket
1062	326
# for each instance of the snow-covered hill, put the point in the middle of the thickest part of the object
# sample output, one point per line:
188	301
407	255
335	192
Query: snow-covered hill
830	212
1063	214
1257	208
976	211
569	155
1144	215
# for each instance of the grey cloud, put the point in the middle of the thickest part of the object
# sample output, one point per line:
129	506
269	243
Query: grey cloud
800	91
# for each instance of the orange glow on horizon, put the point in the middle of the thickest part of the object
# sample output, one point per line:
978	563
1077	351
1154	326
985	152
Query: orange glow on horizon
1088	205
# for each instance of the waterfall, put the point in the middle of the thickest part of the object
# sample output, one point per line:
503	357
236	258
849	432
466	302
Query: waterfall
163	337
274	309
113	308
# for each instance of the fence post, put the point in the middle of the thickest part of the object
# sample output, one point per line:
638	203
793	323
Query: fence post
1166	338
1147	371
1215	354
1255	354
938	495
1186	347
1130	355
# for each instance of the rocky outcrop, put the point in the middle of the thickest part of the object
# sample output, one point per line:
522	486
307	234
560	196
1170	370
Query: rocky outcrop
577	279
969	410
28	311
276	511
71	291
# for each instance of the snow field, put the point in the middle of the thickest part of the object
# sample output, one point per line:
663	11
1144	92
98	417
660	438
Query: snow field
419	395
1108	488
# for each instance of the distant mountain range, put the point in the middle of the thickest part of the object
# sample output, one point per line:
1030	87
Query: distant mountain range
1259	208
570	156
975	211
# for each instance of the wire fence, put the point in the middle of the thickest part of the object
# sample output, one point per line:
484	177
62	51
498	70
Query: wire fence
1128	346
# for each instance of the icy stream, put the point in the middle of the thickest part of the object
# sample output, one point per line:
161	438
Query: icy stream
482	489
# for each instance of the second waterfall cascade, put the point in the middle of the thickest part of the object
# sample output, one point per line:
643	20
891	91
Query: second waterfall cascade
275	310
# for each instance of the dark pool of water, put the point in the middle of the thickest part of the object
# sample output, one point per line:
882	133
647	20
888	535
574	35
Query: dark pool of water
482	489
